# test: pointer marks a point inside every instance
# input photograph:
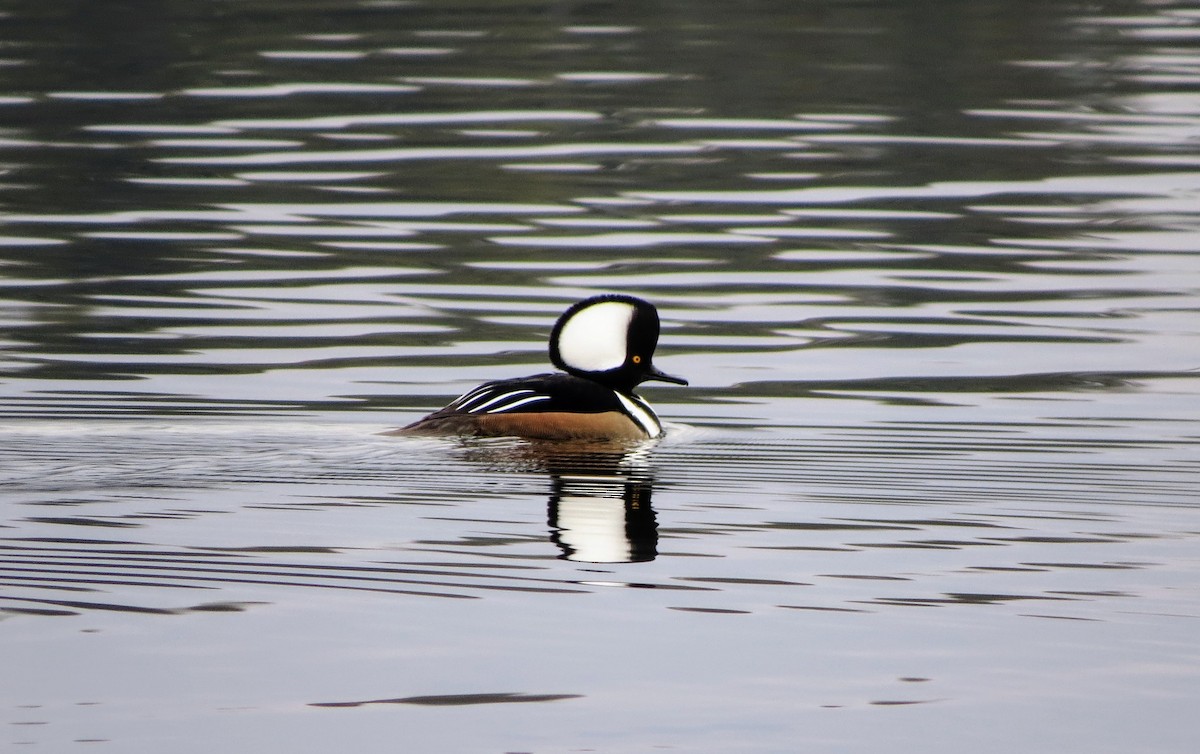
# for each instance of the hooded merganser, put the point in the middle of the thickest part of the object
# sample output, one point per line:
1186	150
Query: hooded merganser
605	345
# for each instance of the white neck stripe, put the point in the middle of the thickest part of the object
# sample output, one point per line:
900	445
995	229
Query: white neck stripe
641	413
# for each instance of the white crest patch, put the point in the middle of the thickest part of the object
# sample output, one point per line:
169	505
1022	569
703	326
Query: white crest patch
595	339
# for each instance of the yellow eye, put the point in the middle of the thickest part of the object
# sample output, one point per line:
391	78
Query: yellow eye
636	359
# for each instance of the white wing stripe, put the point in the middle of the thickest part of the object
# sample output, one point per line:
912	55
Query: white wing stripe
510	406
499	399
468	398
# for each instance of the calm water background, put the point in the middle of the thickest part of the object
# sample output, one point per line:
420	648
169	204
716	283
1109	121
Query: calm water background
931	268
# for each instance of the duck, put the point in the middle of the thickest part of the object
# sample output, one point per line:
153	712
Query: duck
604	347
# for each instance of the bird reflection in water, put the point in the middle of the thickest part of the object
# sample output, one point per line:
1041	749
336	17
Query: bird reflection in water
599	509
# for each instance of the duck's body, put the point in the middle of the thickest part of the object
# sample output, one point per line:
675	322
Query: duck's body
545	406
604	345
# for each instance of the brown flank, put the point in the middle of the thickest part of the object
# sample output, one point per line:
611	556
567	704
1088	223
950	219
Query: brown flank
548	425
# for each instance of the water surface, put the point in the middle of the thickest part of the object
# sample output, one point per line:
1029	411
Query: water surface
931	271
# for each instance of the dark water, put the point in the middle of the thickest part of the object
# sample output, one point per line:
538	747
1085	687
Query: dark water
930	267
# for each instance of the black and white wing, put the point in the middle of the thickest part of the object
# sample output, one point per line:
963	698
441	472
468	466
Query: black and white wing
542	393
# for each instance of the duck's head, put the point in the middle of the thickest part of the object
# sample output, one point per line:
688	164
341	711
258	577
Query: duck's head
609	339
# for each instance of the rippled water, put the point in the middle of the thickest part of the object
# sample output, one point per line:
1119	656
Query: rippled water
931	270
